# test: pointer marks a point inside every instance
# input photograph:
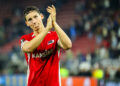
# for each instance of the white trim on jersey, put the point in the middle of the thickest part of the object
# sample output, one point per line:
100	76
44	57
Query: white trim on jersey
28	57
33	35
59	69
59	75
28	73
49	32
23	43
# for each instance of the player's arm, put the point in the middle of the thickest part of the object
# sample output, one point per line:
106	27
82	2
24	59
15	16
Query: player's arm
30	46
64	41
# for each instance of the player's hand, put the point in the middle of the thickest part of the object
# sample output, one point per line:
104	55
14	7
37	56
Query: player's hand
49	23
52	11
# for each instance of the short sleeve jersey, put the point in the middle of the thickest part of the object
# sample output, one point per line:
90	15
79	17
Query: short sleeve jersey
43	63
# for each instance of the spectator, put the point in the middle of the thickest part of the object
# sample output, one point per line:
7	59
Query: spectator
117	74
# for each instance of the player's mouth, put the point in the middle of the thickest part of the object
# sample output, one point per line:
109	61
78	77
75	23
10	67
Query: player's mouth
36	26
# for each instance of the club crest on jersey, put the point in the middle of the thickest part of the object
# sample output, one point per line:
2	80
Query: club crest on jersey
50	42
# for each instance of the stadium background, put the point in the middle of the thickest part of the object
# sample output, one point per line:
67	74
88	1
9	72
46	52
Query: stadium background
93	26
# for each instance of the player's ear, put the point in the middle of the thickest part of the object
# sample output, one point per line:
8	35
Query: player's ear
26	23
42	16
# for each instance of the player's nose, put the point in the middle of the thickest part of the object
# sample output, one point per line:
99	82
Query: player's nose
34	21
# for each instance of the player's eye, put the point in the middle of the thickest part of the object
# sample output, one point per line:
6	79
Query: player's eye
35	16
30	19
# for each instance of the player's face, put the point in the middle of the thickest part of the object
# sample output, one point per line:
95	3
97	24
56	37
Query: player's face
33	20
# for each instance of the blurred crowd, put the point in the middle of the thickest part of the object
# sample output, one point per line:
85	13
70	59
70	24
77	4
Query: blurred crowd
97	18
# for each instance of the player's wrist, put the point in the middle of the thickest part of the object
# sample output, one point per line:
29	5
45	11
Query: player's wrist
48	28
54	22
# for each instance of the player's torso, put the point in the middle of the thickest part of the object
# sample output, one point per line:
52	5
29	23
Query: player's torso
46	47
43	52
44	62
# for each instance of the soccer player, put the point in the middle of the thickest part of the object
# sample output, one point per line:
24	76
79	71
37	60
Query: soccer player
42	47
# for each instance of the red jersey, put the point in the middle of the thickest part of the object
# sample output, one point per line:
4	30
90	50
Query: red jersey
43	63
